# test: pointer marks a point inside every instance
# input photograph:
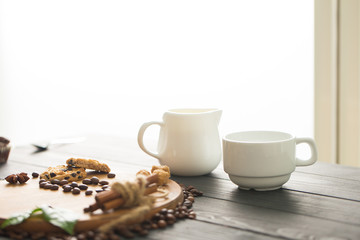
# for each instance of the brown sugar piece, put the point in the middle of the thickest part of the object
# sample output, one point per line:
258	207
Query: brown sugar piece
62	172
163	172
89	164
5	148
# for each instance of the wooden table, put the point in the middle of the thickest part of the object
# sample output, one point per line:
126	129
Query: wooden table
319	202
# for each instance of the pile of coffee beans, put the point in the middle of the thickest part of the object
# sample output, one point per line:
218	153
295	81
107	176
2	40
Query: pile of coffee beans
166	217
74	187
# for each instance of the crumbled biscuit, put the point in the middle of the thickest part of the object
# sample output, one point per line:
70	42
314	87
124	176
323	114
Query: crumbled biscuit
61	172
89	164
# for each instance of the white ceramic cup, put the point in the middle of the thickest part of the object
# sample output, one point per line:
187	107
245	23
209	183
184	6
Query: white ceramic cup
263	160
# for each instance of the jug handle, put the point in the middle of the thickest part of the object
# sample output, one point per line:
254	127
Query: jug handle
141	138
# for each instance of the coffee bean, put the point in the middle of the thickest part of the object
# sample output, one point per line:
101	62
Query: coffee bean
86	181
103	182
83	187
154	226
63	182
192	215
170	211
54	187
99	190
94	180
52	175
157	216
88	192
161	223
188	203
75	190
163	211
47	185
104	187
191	199
42	184
74	184
55	181
67	188
35	175
42	180
111	175
170	217
182	215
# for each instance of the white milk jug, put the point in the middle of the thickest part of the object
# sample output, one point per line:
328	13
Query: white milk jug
189	141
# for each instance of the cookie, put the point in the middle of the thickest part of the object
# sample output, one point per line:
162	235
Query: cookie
61	172
88	163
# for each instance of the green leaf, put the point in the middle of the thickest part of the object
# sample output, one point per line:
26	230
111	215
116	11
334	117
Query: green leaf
59	217
16	219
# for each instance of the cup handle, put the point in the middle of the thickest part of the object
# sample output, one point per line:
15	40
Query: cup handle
141	138
314	153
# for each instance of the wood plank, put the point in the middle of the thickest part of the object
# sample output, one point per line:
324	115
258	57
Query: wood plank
333	170
275	223
192	229
281	200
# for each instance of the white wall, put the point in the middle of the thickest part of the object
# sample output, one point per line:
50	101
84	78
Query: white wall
73	67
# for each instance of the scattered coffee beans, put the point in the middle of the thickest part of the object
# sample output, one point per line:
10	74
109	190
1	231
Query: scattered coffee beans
103	182
76	190
47	185
94	180
63	182
35	175
87	181
83	187
67	188
111	175
88	192
55	181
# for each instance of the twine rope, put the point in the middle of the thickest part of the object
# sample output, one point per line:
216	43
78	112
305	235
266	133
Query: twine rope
133	194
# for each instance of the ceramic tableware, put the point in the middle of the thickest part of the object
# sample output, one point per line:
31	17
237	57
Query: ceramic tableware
263	160
189	141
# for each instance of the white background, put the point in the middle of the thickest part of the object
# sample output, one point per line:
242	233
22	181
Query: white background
77	67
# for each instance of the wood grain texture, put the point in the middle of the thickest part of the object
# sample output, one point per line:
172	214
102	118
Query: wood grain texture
319	202
19	198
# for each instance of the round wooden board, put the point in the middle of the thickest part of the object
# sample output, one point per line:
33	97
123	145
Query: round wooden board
16	198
